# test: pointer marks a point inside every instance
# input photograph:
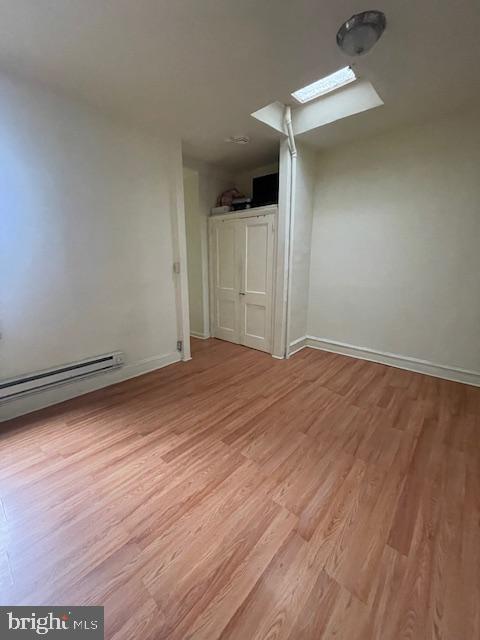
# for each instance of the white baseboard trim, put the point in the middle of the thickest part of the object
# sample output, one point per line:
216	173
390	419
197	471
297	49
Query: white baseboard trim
394	360
200	336
297	345
71	389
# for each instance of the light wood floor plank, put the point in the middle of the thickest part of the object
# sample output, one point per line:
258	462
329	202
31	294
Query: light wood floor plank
236	496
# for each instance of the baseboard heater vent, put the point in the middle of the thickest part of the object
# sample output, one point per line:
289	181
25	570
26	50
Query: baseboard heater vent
31	382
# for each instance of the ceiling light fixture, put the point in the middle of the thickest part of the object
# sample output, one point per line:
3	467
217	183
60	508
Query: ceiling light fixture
325	85
238	139
359	33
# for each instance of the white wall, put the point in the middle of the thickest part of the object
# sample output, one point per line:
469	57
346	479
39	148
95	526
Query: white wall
86	236
195	252
305	176
395	261
203	183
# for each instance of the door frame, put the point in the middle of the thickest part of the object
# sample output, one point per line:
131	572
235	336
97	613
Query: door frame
282	254
179	250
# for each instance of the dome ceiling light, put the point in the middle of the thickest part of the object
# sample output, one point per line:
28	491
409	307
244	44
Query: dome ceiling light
360	33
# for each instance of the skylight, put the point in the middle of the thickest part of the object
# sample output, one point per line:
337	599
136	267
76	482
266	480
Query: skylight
329	83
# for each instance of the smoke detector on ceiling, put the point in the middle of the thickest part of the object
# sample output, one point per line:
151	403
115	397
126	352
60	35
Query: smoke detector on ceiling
238	139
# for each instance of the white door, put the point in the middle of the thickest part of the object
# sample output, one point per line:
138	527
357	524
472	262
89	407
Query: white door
225	280
242	261
255	243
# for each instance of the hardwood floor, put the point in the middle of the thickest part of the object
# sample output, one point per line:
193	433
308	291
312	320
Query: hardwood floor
241	497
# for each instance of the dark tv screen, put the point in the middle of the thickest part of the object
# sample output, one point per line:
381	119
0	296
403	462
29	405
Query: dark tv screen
265	190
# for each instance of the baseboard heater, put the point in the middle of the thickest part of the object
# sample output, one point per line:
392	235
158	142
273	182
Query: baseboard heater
14	387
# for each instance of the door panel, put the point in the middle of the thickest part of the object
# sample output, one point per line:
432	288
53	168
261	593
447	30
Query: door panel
255	245
226	315
255	320
256	238
226	277
226	256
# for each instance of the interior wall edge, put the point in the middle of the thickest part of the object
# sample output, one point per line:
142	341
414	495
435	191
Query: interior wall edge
408	363
66	391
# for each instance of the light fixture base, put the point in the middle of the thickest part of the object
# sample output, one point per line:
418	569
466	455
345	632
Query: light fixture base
238	139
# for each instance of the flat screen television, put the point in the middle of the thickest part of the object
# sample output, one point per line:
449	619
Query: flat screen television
265	190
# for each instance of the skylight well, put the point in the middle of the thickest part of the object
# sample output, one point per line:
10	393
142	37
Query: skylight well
325	85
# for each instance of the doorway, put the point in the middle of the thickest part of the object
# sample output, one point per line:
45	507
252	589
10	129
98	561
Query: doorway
258	260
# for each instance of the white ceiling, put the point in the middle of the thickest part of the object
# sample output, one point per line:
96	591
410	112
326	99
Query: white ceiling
202	66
